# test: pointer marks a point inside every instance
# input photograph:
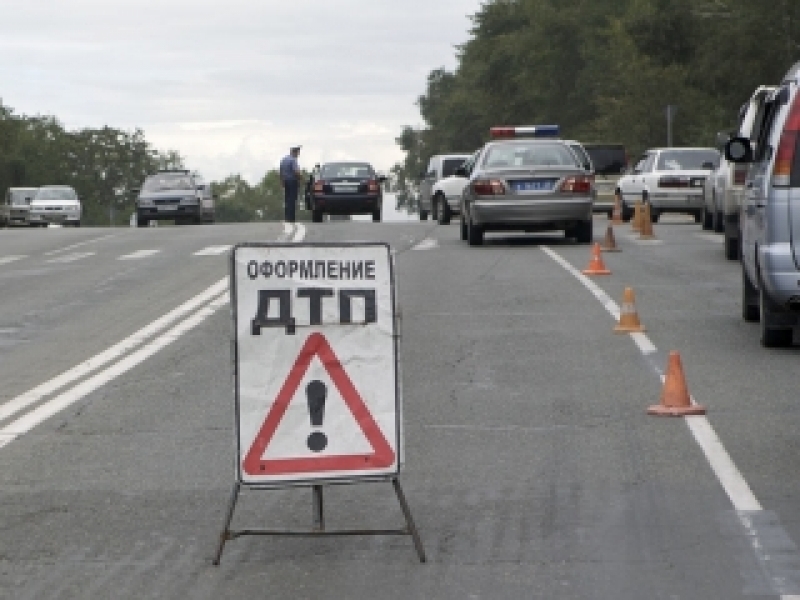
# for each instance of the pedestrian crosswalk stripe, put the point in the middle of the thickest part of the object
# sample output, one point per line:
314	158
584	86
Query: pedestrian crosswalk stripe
67	258
4	260
139	254
213	250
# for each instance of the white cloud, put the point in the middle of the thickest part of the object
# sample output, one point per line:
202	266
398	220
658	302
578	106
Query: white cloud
231	85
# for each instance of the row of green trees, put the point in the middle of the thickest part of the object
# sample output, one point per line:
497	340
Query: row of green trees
604	70
105	165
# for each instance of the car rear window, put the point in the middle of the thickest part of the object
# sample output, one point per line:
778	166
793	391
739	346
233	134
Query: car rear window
674	160
449	166
334	170
607	159
529	154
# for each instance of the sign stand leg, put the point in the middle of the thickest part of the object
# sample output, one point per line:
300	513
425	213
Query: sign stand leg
318	508
223	537
412	528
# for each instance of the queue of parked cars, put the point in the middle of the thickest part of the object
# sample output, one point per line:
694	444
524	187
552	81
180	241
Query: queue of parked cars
39	207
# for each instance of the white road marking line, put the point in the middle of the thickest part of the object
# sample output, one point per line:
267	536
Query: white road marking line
9	259
138	254
299	233
212	250
60	250
730	478
67	258
710	237
116	351
44	411
426	244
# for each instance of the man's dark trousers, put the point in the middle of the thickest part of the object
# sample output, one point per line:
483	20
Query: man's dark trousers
290	200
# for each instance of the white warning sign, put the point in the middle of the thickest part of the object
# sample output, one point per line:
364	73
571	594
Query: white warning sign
317	395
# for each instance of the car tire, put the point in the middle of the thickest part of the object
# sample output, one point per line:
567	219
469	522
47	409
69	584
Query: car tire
771	337
707	219
698	217
627	212
731	247
655	215
443	210
142	222
474	234
316	216
423	214
750	302
376	216
719	224
582	232
463	228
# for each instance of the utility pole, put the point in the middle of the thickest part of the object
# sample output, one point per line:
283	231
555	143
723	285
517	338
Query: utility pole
671	110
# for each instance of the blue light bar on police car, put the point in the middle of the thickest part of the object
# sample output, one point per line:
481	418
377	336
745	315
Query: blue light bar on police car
550	131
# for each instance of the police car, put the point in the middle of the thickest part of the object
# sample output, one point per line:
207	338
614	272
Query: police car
526	179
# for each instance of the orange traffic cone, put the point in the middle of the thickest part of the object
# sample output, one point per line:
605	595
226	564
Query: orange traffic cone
609	243
646	230
628	317
596	265
636	221
616	214
675	399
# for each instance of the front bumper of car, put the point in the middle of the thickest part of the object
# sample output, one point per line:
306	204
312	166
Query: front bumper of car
168	210
54	214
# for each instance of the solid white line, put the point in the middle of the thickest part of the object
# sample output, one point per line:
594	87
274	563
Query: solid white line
43	412
299	232
426	244
730	478
32	396
67	258
138	254
64	249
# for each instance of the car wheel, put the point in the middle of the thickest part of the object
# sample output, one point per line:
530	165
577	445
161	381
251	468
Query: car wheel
582	232
142	222
750	302
698	217
376	216
474	234
707	219
463	227
654	215
443	210
719	224
423	214
771	337
434	210
627	212
316	216
731	247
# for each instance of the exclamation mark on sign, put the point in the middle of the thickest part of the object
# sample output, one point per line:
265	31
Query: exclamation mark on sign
316	392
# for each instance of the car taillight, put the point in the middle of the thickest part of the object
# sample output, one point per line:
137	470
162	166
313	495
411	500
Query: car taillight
579	184
319	187
673	181
786	171
488	187
739	173
372	186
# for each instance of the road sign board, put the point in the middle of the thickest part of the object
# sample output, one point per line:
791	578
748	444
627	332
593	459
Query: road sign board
316	379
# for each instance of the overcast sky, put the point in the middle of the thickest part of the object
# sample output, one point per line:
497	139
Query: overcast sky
232	84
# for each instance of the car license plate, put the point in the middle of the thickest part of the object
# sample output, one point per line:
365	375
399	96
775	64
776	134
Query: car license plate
167	207
346	189
532	185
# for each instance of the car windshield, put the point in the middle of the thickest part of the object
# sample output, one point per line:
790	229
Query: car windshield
531	154
357	170
607	159
676	160
166	182
449	166
22	196
64	193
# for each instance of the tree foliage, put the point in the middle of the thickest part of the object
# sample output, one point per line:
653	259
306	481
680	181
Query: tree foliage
605	71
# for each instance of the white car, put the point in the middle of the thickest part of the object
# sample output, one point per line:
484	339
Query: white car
55	204
670	180
439	167
446	197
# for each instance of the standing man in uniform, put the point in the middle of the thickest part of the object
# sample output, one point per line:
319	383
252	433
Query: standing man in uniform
290	177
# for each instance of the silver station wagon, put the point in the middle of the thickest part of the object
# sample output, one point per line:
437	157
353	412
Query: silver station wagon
526	179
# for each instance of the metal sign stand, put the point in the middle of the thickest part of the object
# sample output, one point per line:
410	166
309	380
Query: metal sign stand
318	527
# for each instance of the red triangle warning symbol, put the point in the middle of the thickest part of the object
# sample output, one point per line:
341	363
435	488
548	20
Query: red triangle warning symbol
382	456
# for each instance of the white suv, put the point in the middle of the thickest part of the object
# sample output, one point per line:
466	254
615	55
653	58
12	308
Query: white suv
439	167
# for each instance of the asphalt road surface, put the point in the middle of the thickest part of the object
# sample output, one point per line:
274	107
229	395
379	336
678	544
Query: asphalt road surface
531	467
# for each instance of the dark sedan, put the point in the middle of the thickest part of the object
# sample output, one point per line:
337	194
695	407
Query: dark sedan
345	188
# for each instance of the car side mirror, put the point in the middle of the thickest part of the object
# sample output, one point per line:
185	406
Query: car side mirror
739	150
